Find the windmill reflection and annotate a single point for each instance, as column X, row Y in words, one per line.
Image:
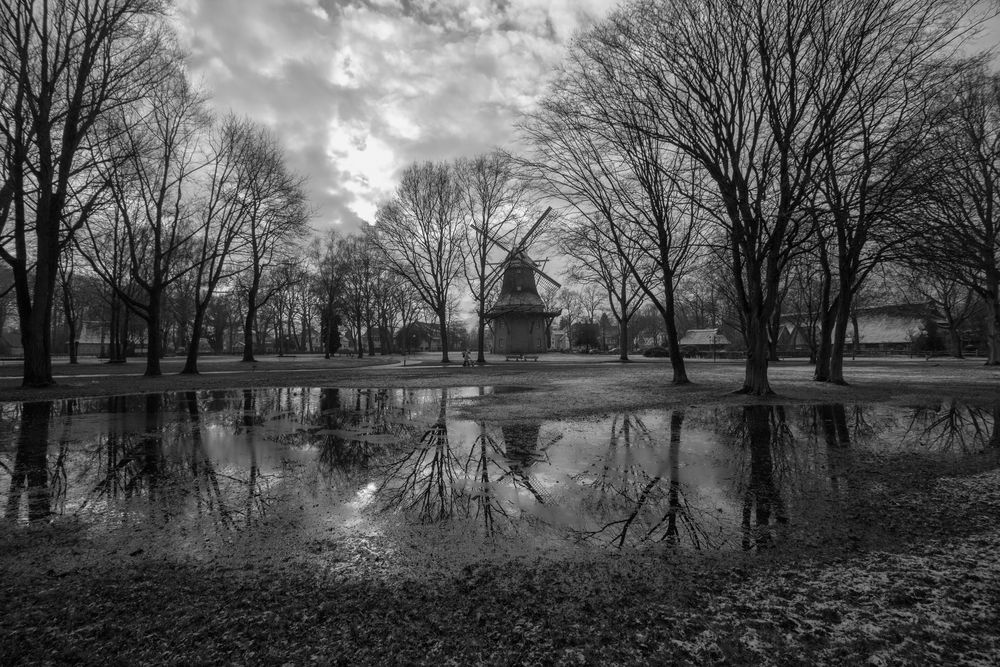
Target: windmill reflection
column 522, row 448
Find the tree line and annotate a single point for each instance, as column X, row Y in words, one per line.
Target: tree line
column 709, row 160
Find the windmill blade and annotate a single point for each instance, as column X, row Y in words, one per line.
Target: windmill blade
column 493, row 239
column 527, row 237
column 493, row 279
column 546, row 276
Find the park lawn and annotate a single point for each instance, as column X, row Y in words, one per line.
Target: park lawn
column 572, row 384
column 914, row 579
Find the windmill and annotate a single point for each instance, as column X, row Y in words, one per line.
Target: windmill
column 519, row 317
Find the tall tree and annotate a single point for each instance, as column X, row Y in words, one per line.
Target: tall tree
column 602, row 264
column 277, row 217
column 223, row 216
column 492, row 197
column 754, row 93
column 594, row 147
column 957, row 183
column 64, row 66
column 881, row 125
column 419, row 232
column 154, row 212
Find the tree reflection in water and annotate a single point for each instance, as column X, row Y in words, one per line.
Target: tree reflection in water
column 30, row 474
column 165, row 469
column 352, row 440
column 422, row 482
column 438, row 480
column 633, row 506
column 955, row 426
column 765, row 433
column 832, row 419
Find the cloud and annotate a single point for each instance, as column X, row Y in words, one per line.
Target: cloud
column 357, row 90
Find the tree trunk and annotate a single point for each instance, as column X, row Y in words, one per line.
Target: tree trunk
column 36, row 338
column 755, row 380
column 154, row 337
column 673, row 346
column 955, row 337
column 191, row 363
column 481, row 338
column 248, row 334
column 358, row 340
column 443, row 323
column 828, row 317
column 992, row 329
column 70, row 324
column 773, row 330
column 116, row 342
column 623, row 340
column 856, row 343
column 840, row 338
column 36, row 320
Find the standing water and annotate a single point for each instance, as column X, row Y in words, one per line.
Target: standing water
column 406, row 470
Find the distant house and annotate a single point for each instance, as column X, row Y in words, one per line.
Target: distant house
column 560, row 339
column 698, row 342
column 889, row 329
column 422, row 337
column 793, row 338
column 896, row 328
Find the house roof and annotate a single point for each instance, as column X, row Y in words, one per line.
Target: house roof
column 703, row 337
column 874, row 329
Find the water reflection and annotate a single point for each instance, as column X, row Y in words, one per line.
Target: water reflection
column 639, row 503
column 953, row 425
column 29, row 475
column 705, row 478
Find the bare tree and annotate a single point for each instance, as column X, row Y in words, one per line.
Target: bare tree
column 327, row 287
column 356, row 258
column 595, row 148
column 154, row 214
column 599, row 263
column 223, row 217
column 276, row 220
column 754, row 93
column 64, row 66
column 419, row 232
column 493, row 197
column 958, row 186
column 879, row 127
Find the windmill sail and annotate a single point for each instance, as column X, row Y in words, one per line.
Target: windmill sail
column 519, row 316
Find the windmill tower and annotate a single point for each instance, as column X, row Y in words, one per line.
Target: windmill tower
column 519, row 317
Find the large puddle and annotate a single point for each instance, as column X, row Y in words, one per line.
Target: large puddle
column 403, row 468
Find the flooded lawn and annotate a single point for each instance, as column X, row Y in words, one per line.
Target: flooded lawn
column 397, row 474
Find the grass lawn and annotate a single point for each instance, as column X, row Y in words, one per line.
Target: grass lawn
column 912, row 579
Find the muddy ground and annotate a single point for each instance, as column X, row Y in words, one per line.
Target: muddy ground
column 920, row 584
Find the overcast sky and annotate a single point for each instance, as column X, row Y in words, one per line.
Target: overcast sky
column 358, row 89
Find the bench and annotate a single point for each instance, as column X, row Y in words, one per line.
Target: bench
column 522, row 357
